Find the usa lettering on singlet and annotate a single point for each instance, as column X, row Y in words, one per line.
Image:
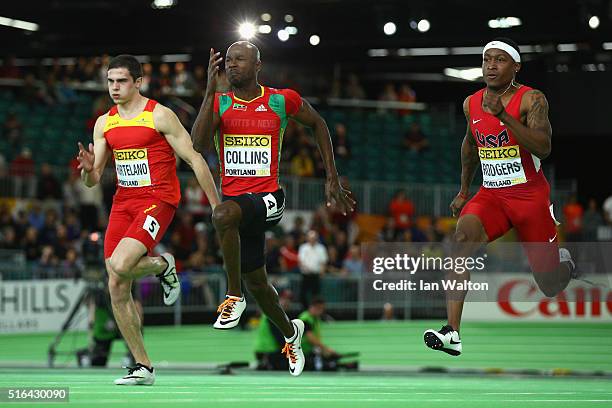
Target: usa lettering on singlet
column 504, row 163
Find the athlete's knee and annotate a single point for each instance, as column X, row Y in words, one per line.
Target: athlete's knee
column 225, row 216
column 460, row 236
column 120, row 265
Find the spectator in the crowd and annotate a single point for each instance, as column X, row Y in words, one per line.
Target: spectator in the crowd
column 148, row 80
column 48, row 186
column 12, row 132
column 90, row 205
column 200, row 78
column 61, row 244
column 388, row 93
column 71, row 266
column 388, row 312
column 183, row 81
column 572, row 214
column 334, row 262
column 73, row 228
column 312, row 259
column 48, row 233
column 9, row 69
column 165, row 80
column 353, row 264
column 415, row 139
column 103, row 69
column 402, row 210
column 302, row 164
column 607, row 210
column 71, row 190
column 273, row 255
column 23, row 174
column 21, row 225
column 342, row 147
column 8, row 238
column 47, row 259
column 31, row 91
column 186, row 231
column 36, row 218
column 289, row 255
column 297, row 230
column 388, row 233
column 591, row 221
column 406, row 94
column 31, row 244
column 65, row 91
column 353, row 89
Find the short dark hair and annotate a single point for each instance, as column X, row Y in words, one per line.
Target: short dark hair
column 128, row 62
column 316, row 301
column 510, row 42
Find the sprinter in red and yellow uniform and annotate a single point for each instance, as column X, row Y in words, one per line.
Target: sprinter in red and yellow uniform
column 142, row 137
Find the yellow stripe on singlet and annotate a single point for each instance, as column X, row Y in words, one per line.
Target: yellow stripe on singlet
column 145, row 119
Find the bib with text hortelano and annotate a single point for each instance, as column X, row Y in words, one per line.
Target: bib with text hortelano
column 501, row 166
column 132, row 167
column 247, row 155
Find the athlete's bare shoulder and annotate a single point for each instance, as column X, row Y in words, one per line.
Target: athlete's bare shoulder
column 162, row 115
column 466, row 107
column 100, row 125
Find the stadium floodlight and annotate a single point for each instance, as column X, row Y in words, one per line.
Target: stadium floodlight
column 594, row 22
column 163, row 4
column 247, row 30
column 288, row 18
column 283, row 35
column 314, row 40
column 20, row 24
column 505, row 22
column 390, row 28
column 469, row 74
column 265, row 29
column 423, row 25
column 291, row 30
column 266, row 17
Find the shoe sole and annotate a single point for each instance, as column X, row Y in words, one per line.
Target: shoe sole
column 433, row 342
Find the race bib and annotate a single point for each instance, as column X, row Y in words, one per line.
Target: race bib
column 501, row 166
column 247, row 155
column 271, row 205
column 132, row 167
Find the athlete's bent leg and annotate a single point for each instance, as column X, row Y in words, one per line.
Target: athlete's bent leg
column 267, row 298
column 469, row 236
column 226, row 219
column 128, row 260
column 126, row 314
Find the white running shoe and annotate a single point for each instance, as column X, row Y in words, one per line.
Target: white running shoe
column 293, row 349
column 229, row 312
column 446, row 339
column 138, row 375
column 565, row 256
column 169, row 280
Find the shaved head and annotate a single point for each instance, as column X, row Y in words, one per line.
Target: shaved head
column 249, row 47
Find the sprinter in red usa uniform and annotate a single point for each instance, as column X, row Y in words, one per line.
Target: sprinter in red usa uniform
column 248, row 125
column 508, row 134
column 142, row 136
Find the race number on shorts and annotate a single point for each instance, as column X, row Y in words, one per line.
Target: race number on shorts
column 271, row 205
column 151, row 225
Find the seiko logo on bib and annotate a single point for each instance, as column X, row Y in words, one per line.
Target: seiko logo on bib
column 132, row 166
column 247, row 155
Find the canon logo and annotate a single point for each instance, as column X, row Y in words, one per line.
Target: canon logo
column 584, row 301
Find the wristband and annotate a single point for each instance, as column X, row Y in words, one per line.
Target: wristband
column 464, row 196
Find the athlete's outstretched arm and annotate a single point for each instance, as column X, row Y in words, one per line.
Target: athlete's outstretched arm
column 168, row 123
column 469, row 163
column 535, row 135
column 207, row 122
column 309, row 117
column 93, row 160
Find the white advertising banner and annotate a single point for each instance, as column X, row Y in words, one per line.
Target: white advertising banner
column 39, row 305
column 517, row 298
